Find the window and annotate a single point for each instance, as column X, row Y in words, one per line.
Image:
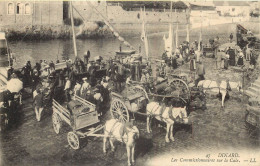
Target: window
column 10, row 8
column 19, row 8
column 27, row 8
column 233, row 9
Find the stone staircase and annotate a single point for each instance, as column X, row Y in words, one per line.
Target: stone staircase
column 254, row 89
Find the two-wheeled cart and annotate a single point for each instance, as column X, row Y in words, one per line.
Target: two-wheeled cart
column 80, row 115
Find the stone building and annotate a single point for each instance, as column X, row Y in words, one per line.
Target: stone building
column 31, row 13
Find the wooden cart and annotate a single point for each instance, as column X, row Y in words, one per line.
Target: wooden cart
column 208, row 51
column 81, row 115
column 133, row 99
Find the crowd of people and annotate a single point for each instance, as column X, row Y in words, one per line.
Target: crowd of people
column 61, row 84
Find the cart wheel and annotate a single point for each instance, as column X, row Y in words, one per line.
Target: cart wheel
column 56, row 122
column 73, row 140
column 119, row 111
column 179, row 86
column 141, row 90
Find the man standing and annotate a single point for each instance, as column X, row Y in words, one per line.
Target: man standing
column 86, row 57
column 38, row 104
column 72, row 76
column 85, row 87
column 219, row 58
column 77, row 88
column 240, row 61
column 248, row 53
column 67, row 89
column 252, row 60
column 231, row 38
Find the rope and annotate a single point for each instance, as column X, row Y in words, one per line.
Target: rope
column 111, row 27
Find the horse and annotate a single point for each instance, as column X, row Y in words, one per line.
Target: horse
column 221, row 88
column 115, row 130
column 169, row 115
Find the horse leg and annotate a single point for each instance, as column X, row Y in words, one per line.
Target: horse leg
column 104, row 144
column 128, row 154
column 112, row 145
column 171, row 134
column 40, row 112
column 133, row 154
column 223, row 99
column 20, row 99
column 167, row 133
column 148, row 124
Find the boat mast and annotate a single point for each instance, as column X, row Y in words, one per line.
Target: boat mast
column 176, row 40
column 144, row 35
column 73, row 31
column 200, row 37
column 187, row 27
column 171, row 28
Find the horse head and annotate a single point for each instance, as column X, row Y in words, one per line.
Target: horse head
column 183, row 115
column 132, row 134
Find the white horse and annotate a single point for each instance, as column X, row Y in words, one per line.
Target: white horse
column 221, row 88
column 169, row 115
column 115, row 130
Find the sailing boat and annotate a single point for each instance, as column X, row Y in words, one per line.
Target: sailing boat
column 168, row 42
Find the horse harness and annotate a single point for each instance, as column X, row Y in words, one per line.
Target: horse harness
column 162, row 109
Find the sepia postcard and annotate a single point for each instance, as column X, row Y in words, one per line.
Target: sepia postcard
column 115, row 83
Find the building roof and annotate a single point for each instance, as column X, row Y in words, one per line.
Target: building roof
column 208, row 4
column 231, row 3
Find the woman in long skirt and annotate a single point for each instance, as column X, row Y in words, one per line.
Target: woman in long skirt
column 240, row 60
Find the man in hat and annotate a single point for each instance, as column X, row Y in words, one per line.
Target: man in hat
column 240, row 60
column 86, row 57
column 85, row 87
column 220, row 54
column 192, row 62
column 248, row 52
column 105, row 92
column 231, row 38
column 72, row 76
column 38, row 104
column 143, row 77
column 67, row 89
column 98, row 101
column 226, row 61
column 252, row 59
column 52, row 66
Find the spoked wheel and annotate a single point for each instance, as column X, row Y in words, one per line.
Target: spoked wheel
column 73, row 140
column 180, row 88
column 139, row 89
column 56, row 122
column 119, row 111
